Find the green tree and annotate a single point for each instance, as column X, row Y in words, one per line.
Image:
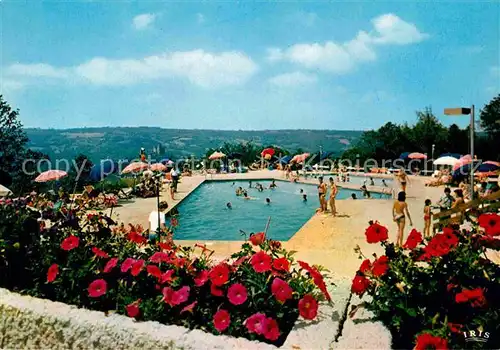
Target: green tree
column 490, row 122
column 13, row 139
column 428, row 131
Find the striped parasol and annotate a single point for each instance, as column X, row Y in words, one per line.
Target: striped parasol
column 135, row 167
column 51, row 175
column 158, row 167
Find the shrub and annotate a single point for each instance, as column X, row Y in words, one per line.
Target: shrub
column 429, row 292
column 89, row 261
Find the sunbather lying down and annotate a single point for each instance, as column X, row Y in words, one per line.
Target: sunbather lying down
column 443, row 180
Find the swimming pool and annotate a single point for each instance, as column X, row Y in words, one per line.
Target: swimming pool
column 205, row 216
column 360, row 180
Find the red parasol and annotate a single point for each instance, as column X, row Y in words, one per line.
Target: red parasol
column 462, row 161
column 267, row 151
column 135, row 167
column 492, row 162
column 158, row 167
column 216, row 155
column 417, row 155
column 51, row 175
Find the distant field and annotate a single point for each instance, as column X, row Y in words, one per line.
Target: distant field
column 124, row 143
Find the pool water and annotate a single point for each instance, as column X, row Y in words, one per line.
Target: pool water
column 204, row 215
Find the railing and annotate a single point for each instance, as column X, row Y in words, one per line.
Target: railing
column 471, row 209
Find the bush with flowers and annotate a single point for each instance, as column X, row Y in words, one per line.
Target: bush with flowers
column 430, row 291
column 89, row 261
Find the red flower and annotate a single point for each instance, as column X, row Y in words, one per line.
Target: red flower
column 490, row 222
column 110, row 265
column 414, row 239
column 174, row 222
column 317, row 277
column 127, row 264
column 281, row 290
column 237, row 294
column 258, row 238
column 426, row 341
column 97, row 288
column 160, row 257
column 240, row 261
column 165, row 245
column 308, row 307
column 215, row 291
column 133, row 308
column 455, row 327
column 52, row 273
column 99, row 253
column 70, row 243
column 189, row 308
column 281, row 264
column 380, row 266
column 440, row 245
column 376, row 233
column 366, row 265
column 137, row 267
column 201, row 278
column 219, row 274
column 136, row 237
column 154, row 271
column 261, row 262
column 256, row 323
column 221, row 320
column 359, row 284
column 271, row 330
column 475, row 296
column 174, row 298
column 166, row 277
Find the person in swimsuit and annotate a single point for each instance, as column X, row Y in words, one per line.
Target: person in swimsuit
column 399, row 212
column 273, row 185
column 459, row 200
column 333, row 194
column 403, row 179
column 427, row 218
column 322, row 194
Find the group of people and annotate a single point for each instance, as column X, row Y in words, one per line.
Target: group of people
column 322, row 193
column 241, row 192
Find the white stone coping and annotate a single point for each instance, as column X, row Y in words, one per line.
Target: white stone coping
column 33, row 323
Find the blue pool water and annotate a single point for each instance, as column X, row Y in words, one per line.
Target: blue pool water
column 204, row 215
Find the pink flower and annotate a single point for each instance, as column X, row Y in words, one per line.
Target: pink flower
column 237, row 294
column 110, row 265
column 221, row 320
column 174, row 298
column 216, row 291
column 308, row 307
column 153, row 270
column 127, row 264
column 189, row 308
column 167, row 277
column 160, row 257
column 261, row 262
column 201, row 278
column 271, row 330
column 137, row 267
column 281, row 290
column 52, row 273
column 256, row 323
column 70, row 243
column 99, row 253
column 133, row 308
column 97, row 288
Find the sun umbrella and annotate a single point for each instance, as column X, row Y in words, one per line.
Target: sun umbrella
column 446, row 160
column 300, row 158
column 454, row 155
column 165, row 161
column 135, row 167
column 267, row 151
column 51, row 175
column 462, row 161
column 417, row 155
column 487, row 167
column 216, row 155
column 492, row 162
column 158, row 167
column 404, row 155
column 4, row 191
column 285, row 159
column 105, row 168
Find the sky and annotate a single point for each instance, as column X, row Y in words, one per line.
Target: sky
column 351, row 65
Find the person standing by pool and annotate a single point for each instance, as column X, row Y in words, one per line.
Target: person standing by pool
column 154, row 217
column 372, row 183
column 322, row 194
column 333, row 194
column 399, row 212
column 403, row 179
column 427, row 218
column 383, row 183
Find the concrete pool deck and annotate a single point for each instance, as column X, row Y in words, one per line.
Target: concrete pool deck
column 324, row 239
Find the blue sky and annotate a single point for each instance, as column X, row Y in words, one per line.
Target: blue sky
column 246, row 65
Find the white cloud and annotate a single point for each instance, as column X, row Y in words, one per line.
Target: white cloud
column 391, row 29
column 293, row 79
column 7, row 86
column 143, row 21
column 343, row 57
column 199, row 67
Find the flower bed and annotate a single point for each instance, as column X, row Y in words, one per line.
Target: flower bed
column 433, row 293
column 86, row 260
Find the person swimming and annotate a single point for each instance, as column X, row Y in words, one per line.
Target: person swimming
column 229, row 205
column 268, row 201
column 249, row 184
column 301, row 190
column 372, row 183
column 273, row 185
column 366, row 193
column 233, row 184
column 353, row 196
column 259, row 187
column 304, row 197
column 239, row 191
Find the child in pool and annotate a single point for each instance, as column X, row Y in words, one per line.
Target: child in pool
column 229, row 205
column 268, row 201
column 304, row 197
column 427, row 218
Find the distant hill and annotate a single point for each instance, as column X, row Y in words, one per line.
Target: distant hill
column 124, row 143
